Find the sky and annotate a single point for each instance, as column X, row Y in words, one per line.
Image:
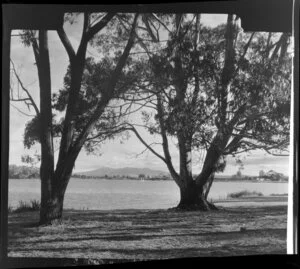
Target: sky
column 117, row 153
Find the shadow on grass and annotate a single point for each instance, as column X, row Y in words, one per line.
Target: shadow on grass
column 220, row 250
column 145, row 235
column 123, row 237
column 60, row 262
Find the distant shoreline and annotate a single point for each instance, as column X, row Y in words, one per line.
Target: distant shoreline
column 136, row 179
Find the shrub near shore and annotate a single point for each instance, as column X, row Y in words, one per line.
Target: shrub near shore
column 244, row 193
column 33, row 205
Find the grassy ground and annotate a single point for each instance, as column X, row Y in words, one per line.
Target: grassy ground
column 151, row 234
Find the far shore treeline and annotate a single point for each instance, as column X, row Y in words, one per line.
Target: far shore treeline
column 23, row 172
column 31, row 172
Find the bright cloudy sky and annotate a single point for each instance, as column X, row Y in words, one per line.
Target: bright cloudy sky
column 113, row 153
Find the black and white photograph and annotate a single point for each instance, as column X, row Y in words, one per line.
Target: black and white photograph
column 146, row 133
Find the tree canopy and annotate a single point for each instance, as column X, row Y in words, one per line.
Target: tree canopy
column 219, row 90
column 216, row 90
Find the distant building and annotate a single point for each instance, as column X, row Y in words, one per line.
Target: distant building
column 261, row 173
column 142, row 177
column 273, row 176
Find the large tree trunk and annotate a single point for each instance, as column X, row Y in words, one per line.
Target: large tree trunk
column 193, row 198
column 51, row 211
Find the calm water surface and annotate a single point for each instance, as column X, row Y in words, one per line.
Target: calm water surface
column 126, row 194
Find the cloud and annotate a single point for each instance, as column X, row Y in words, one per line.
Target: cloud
column 257, row 161
column 259, row 157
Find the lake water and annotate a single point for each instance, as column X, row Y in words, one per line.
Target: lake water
column 105, row 194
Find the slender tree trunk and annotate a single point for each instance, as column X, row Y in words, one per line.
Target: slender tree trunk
column 208, row 184
column 45, row 117
column 53, row 189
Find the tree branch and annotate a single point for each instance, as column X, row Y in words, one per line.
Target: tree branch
column 25, row 90
column 143, row 126
column 22, row 111
column 145, row 18
column 36, row 51
column 179, row 19
column 251, row 146
column 274, row 154
column 145, row 144
column 245, row 50
column 196, row 78
column 115, row 130
column 137, row 155
column 154, row 16
column 279, row 44
column 99, row 25
column 234, row 143
column 110, row 91
column 165, row 141
column 86, row 20
column 20, row 100
column 66, row 42
column 228, row 69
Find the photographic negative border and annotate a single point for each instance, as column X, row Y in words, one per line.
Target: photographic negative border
column 282, row 16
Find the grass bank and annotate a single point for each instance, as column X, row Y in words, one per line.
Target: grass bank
column 151, row 234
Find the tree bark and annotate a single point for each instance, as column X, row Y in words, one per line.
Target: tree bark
column 193, row 198
column 207, row 185
column 205, row 178
column 185, row 157
column 54, row 181
column 51, row 212
column 192, row 195
column 70, row 147
column 46, row 139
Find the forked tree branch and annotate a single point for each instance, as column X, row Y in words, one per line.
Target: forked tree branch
column 110, row 91
column 162, row 23
column 25, row 90
column 67, row 44
column 244, row 54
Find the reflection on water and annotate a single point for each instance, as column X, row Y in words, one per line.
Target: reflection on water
column 125, row 194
